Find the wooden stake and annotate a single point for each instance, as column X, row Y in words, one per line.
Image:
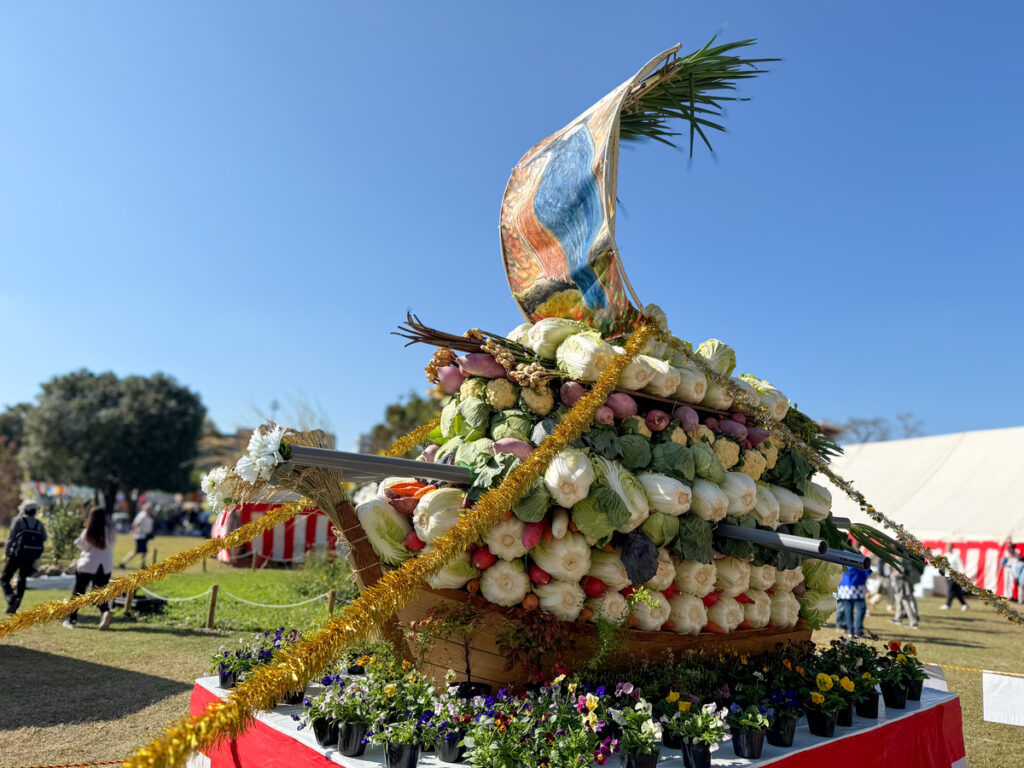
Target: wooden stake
column 330, row 602
column 154, row 558
column 128, row 602
column 213, row 607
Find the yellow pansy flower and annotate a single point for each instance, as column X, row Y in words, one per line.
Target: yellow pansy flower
column 846, row 684
column 867, row 676
column 572, row 687
column 592, row 702
column 672, row 697
column 389, row 689
column 824, row 682
column 817, row 698
column 901, row 659
column 684, row 706
column 558, row 679
column 910, row 648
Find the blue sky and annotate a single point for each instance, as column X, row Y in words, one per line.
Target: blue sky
column 249, row 196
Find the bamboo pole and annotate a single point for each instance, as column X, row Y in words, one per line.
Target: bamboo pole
column 213, row 607
column 331, row 596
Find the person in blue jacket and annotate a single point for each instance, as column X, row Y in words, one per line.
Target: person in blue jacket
column 850, row 600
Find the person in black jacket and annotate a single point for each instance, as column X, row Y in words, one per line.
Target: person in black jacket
column 24, row 546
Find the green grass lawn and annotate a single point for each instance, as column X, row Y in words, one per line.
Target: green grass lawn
column 81, row 695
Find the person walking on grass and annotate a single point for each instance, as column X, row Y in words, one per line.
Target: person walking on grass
column 953, row 590
column 142, row 531
column 96, row 562
column 903, row 588
column 24, row 547
column 852, row 600
column 1017, row 572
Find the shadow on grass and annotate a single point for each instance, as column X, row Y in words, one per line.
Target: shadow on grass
column 45, row 689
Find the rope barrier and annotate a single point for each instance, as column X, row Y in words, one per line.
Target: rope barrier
column 266, row 605
column 176, row 599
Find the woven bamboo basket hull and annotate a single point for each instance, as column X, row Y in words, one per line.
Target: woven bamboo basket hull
column 487, row 663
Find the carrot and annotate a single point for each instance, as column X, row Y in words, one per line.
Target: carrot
column 586, row 614
column 772, row 624
column 473, row 586
column 669, row 625
column 508, row 515
column 712, row 627
column 632, row 621
column 406, row 489
column 572, row 527
column 531, row 602
column 745, row 625
column 608, row 548
column 424, row 491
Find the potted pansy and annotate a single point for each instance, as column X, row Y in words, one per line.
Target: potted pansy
column 699, row 729
column 641, row 734
column 865, row 695
column 786, row 711
column 501, row 732
column 402, row 739
column 232, row 665
column 453, row 716
column 821, row 703
column 352, row 711
column 915, row 671
column 264, row 648
column 894, row 676
column 748, row 725
column 318, row 713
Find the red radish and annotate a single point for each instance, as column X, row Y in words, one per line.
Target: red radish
column 670, row 591
column 712, row 598
column 627, row 592
column 799, row 589
column 712, row 423
column 593, row 586
column 687, row 416
column 532, row 534
column 538, row 575
column 414, row 542
column 657, row 420
column 531, row 602
column 747, row 444
column 744, row 599
column 570, row 392
column 622, row 405
column 604, row 415
column 473, row 586
column 483, row 559
column 450, row 378
column 404, row 506
column 741, row 418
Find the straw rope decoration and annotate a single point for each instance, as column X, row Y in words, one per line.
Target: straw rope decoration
column 56, row 610
column 298, row 664
column 751, row 404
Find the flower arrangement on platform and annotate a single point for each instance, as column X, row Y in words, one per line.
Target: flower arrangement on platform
column 233, row 664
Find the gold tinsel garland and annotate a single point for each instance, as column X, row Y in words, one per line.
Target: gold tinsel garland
column 59, row 609
column 751, row 404
column 403, row 445
column 301, row 662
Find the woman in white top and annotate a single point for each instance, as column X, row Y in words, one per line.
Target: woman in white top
column 96, row 561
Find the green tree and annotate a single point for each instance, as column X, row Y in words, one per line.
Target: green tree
column 10, row 481
column 12, row 422
column 400, row 419
column 113, row 434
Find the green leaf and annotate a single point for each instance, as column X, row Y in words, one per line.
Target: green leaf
column 674, row 460
column 609, row 502
column 604, row 440
column 694, row 540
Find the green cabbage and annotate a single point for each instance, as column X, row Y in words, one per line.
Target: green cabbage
column 634, row 425
column 386, row 529
column 719, row 355
column 584, row 356
column 821, row 576
column 694, row 541
column 451, row 445
column 816, row 607
column 469, row 452
column 636, row 451
column 675, row 460
column 533, row 505
column 545, row 336
column 594, row 521
column 476, row 418
column 512, row 423
column 613, row 476
column 706, row 463
column 660, row 528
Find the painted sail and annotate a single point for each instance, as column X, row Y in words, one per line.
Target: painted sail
column 558, row 221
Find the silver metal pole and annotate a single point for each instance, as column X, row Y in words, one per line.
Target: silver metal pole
column 798, row 545
column 846, row 559
column 361, row 466
column 842, row 522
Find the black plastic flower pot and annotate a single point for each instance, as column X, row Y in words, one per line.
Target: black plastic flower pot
column 629, row 760
column 228, row 678
column 895, row 696
column 448, row 749
column 869, row 707
column 355, row 669
column 401, row 755
column 325, row 731
column 747, row 742
column 821, row 723
column 672, row 740
column 471, row 690
column 782, row 732
column 914, row 688
column 696, row 755
column 844, row 716
column 294, row 698
column 350, row 739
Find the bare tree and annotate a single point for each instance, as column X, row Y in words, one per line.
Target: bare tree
column 867, row 430
column 910, row 425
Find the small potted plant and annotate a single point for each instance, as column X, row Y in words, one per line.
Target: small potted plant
column 786, row 712
column 454, row 714
column 699, row 730
column 748, row 726
column 641, row 734
column 894, row 677
column 317, row 714
column 401, row 739
column 352, row 712
column 231, row 666
column 847, row 689
column 915, row 672
column 822, row 703
column 865, row 696
column 666, row 710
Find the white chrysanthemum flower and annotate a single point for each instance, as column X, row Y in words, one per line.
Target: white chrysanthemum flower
column 247, row 469
column 214, row 485
column 265, row 450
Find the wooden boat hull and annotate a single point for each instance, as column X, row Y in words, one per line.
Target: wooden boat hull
column 486, row 662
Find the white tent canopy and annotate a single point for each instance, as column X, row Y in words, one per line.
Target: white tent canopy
column 959, row 487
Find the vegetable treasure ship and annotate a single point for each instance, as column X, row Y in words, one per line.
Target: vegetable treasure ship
column 677, row 519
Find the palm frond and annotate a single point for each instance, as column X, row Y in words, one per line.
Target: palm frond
column 692, row 88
